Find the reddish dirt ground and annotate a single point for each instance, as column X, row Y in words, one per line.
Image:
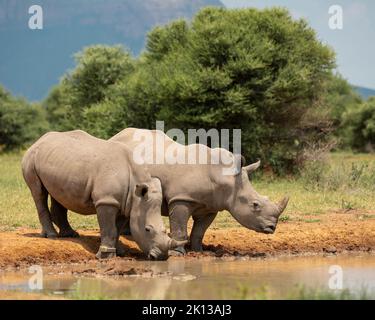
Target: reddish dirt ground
column 335, row 233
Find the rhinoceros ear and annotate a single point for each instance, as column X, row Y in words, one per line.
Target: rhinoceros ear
column 141, row 190
column 252, row 167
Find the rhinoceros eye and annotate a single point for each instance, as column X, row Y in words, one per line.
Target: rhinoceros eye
column 256, row 205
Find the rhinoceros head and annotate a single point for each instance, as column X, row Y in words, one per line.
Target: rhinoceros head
column 146, row 223
column 251, row 209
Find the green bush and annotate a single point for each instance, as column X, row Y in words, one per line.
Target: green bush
column 20, row 122
column 85, row 98
column 56, row 109
column 257, row 70
column 360, row 126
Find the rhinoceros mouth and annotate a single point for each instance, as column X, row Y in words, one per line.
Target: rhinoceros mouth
column 269, row 229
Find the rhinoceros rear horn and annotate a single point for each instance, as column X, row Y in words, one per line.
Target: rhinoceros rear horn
column 177, row 243
column 282, row 204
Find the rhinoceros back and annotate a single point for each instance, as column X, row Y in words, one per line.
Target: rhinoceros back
column 73, row 165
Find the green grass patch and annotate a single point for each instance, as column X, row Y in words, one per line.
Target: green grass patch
column 345, row 181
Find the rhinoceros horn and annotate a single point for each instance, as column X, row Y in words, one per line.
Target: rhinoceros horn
column 282, row 204
column 177, row 243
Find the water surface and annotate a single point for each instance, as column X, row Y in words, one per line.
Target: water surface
column 209, row 279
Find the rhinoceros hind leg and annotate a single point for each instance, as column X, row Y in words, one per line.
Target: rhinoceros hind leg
column 60, row 218
column 107, row 216
column 201, row 224
column 40, row 196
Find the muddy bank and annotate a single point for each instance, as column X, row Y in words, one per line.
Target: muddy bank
column 335, row 233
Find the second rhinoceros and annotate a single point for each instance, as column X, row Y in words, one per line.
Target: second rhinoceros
column 89, row 175
column 201, row 190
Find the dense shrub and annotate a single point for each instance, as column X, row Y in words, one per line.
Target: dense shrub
column 359, row 124
column 84, row 99
column 20, row 122
column 257, row 70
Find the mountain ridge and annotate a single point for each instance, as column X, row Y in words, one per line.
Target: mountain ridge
column 364, row 92
column 36, row 59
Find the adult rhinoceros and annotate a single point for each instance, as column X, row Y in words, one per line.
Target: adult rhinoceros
column 202, row 190
column 89, row 175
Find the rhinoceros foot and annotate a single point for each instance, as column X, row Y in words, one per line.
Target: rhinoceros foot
column 197, row 247
column 49, row 234
column 105, row 252
column 68, row 234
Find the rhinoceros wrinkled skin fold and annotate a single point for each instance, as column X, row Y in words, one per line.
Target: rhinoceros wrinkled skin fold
column 200, row 190
column 88, row 175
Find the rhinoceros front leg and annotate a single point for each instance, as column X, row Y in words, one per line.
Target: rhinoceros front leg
column 200, row 226
column 121, row 223
column 179, row 214
column 109, row 234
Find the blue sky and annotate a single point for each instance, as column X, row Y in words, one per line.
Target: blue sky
column 354, row 44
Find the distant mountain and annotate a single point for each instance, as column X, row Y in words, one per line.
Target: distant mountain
column 364, row 92
column 34, row 60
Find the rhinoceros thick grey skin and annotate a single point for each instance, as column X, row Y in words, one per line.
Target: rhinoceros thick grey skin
column 202, row 190
column 93, row 176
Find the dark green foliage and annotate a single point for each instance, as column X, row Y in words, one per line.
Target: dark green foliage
column 360, row 125
column 259, row 71
column 56, row 109
column 340, row 98
column 255, row 70
column 86, row 98
column 20, row 122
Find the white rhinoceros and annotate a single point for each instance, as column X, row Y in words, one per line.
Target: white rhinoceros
column 93, row 176
column 202, row 190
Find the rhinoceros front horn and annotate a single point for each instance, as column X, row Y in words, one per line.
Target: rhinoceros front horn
column 282, row 204
column 177, row 243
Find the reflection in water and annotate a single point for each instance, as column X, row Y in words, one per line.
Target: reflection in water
column 209, row 279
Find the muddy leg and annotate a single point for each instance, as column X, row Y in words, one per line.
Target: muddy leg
column 60, row 218
column 40, row 196
column 179, row 215
column 201, row 223
column 121, row 223
column 107, row 216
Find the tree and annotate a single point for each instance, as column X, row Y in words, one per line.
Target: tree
column 360, row 125
column 20, row 122
column 56, row 108
column 88, row 97
column 340, row 98
column 257, row 70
